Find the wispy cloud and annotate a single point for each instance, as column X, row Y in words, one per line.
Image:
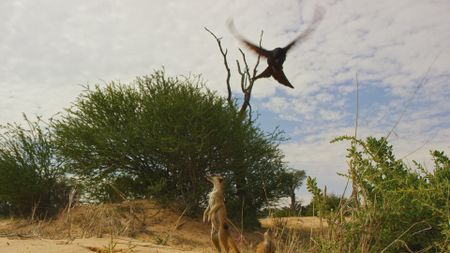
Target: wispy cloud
column 50, row 49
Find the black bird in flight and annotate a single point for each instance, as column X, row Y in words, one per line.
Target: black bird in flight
column 277, row 56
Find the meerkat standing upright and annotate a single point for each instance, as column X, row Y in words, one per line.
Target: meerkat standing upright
column 216, row 213
column 268, row 245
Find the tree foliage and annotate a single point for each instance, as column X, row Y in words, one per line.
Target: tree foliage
column 290, row 181
column 32, row 176
column 160, row 136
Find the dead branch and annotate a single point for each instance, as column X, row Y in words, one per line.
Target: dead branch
column 247, row 80
column 225, row 62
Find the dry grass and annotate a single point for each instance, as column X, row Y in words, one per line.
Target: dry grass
column 294, row 234
column 142, row 220
column 294, row 222
column 150, row 225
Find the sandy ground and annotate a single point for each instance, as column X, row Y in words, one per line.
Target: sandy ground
column 123, row 244
column 78, row 245
column 181, row 234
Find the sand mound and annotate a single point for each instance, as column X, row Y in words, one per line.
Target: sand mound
column 144, row 221
column 131, row 226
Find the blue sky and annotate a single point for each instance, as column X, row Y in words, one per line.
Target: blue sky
column 49, row 49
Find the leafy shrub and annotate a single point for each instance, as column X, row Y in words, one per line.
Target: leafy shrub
column 327, row 204
column 393, row 207
column 32, row 176
column 160, row 136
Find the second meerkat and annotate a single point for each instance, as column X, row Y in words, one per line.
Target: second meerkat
column 268, row 245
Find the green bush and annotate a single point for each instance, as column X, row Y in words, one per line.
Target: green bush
column 329, row 203
column 32, row 176
column 393, row 208
column 159, row 136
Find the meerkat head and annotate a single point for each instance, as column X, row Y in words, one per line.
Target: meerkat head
column 268, row 235
column 216, row 180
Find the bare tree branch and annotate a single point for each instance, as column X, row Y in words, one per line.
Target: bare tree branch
column 242, row 73
column 225, row 62
column 250, row 79
column 255, row 70
column 247, row 79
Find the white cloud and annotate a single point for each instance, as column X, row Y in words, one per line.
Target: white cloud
column 50, row 48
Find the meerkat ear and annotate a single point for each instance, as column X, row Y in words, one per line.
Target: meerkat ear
column 220, row 179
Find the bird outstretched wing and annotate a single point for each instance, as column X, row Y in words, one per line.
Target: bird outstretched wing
column 259, row 50
column 317, row 18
